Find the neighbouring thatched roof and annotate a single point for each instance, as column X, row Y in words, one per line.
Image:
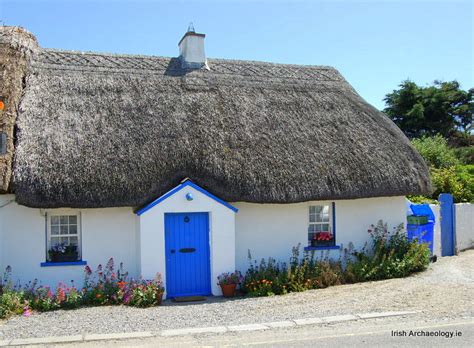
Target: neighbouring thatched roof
column 103, row 130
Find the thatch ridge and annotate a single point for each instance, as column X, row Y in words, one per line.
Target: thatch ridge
column 101, row 130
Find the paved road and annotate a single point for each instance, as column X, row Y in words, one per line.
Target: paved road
column 372, row 333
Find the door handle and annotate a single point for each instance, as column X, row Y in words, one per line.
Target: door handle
column 172, row 251
column 187, row 250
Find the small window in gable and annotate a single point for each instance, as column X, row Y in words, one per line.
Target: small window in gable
column 320, row 229
column 64, row 238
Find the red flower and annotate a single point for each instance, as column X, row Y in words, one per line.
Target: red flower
column 323, row 236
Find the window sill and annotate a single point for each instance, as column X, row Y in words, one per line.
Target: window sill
column 327, row 247
column 56, row 264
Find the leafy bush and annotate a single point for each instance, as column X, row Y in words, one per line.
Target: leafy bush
column 11, row 303
column 422, row 200
column 465, row 154
column 435, row 151
column 458, row 180
column 392, row 255
column 447, row 171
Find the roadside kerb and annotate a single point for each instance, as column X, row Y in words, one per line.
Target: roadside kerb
column 200, row 330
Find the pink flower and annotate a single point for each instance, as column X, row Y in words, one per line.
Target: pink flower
column 26, row 311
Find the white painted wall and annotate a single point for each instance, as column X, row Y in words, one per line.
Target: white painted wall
column 265, row 229
column 273, row 229
column 464, row 217
column 106, row 233
column 222, row 234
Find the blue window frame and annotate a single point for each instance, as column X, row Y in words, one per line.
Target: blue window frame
column 322, row 226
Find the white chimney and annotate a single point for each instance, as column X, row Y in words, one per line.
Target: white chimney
column 191, row 50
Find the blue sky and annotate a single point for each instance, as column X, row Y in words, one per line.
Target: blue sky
column 374, row 44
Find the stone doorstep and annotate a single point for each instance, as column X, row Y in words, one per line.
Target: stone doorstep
column 201, row 330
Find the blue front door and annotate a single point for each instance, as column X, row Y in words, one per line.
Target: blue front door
column 188, row 270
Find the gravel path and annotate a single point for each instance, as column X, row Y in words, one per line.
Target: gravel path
column 445, row 291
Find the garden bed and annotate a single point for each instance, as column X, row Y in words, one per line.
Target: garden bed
column 392, row 255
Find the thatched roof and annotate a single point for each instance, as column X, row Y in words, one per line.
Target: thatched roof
column 104, row 130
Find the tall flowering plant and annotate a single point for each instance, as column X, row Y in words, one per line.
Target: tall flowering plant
column 110, row 286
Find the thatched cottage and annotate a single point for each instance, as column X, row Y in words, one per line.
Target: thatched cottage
column 181, row 165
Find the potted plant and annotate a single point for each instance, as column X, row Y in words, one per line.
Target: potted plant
column 228, row 283
column 63, row 253
column 322, row 239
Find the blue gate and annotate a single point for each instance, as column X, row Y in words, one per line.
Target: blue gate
column 447, row 225
column 188, row 270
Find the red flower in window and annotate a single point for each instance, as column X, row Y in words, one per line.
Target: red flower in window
column 323, row 236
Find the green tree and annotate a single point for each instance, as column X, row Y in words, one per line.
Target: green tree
column 442, row 108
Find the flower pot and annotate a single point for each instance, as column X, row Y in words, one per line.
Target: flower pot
column 159, row 299
column 64, row 257
column 316, row 243
column 228, row 290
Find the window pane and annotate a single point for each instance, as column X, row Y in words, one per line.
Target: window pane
column 63, row 229
column 325, row 218
column 325, row 209
column 319, row 218
column 325, row 227
column 318, row 228
column 54, row 241
column 54, row 229
column 312, row 209
column 54, row 220
column 63, row 220
column 72, row 219
column 73, row 241
column 312, row 217
column 318, row 209
column 72, row 229
column 312, row 228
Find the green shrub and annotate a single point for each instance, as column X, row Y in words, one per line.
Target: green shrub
column 392, row 255
column 457, row 180
column 436, row 151
column 451, row 169
column 465, row 154
column 11, row 303
column 422, row 200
